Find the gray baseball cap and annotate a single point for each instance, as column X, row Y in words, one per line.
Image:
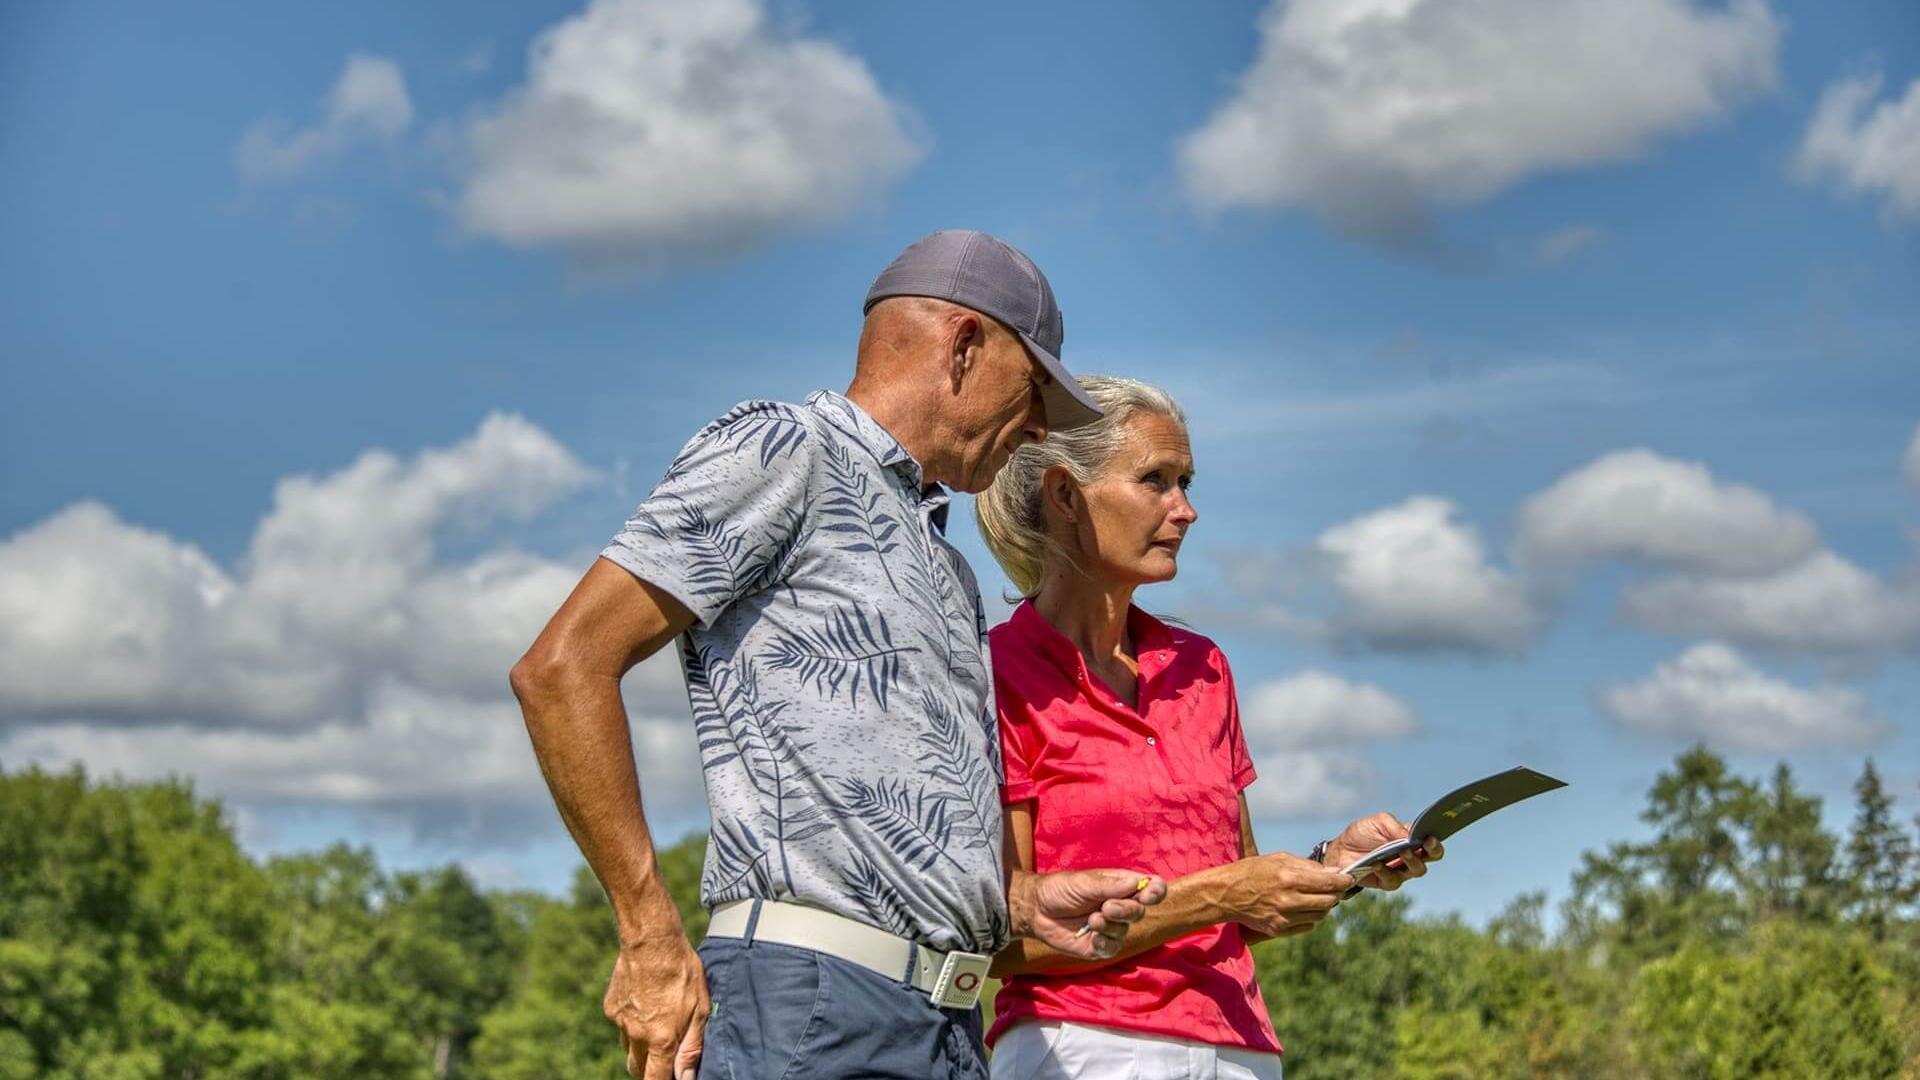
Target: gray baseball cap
column 992, row 277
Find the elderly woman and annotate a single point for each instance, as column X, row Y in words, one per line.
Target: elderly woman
column 1123, row 747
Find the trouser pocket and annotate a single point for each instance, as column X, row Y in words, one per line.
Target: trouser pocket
column 768, row 1002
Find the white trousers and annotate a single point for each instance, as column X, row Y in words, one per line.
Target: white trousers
column 1053, row 1051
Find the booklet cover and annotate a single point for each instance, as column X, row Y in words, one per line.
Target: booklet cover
column 1458, row 809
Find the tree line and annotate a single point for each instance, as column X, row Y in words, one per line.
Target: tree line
column 1742, row 940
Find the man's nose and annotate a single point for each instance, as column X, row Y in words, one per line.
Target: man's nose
column 1035, row 428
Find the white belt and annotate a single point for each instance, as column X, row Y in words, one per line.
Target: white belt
column 952, row 980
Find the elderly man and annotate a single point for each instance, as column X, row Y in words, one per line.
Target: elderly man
column 833, row 644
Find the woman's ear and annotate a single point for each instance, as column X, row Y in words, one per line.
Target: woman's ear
column 1060, row 494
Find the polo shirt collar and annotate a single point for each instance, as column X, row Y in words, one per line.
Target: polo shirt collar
column 1149, row 634
column 856, row 424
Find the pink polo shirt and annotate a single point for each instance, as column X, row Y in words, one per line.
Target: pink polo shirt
column 1154, row 788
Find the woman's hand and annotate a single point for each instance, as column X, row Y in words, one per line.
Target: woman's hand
column 1281, row 895
column 1367, row 833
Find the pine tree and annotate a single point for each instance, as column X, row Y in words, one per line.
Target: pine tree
column 1696, row 809
column 1791, row 870
column 1882, row 875
column 1645, row 898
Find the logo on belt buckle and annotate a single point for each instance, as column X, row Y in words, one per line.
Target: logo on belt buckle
column 961, row 977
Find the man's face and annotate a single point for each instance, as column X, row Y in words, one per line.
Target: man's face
column 1000, row 409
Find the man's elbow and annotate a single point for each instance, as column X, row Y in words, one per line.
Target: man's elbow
column 540, row 674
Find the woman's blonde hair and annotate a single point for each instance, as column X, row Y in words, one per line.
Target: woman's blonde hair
column 1009, row 512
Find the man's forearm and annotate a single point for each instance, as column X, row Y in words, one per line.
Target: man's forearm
column 578, row 724
column 1193, row 902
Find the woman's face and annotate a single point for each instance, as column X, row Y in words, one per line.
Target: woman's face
column 1133, row 518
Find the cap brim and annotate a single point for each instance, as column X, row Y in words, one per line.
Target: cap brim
column 1068, row 406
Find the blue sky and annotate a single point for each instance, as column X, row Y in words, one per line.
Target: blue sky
column 1552, row 375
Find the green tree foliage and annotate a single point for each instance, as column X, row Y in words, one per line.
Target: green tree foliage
column 137, row 941
column 132, row 932
column 1792, row 872
column 1646, row 898
column 551, row 1025
column 1883, row 870
column 1738, row 939
column 1795, row 1000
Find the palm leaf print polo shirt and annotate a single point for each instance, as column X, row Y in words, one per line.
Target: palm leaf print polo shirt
column 837, row 672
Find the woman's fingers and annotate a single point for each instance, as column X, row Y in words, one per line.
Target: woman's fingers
column 1296, row 920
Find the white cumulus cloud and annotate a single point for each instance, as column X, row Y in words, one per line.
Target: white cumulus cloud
column 1636, row 505
column 1316, row 709
column 1410, row 577
column 1302, row 730
column 1823, row 604
column 446, row 766
column 100, row 616
column 103, row 620
column 1370, row 112
column 646, row 131
column 368, row 103
column 1866, row 152
column 343, row 661
column 1309, row 784
column 1711, row 693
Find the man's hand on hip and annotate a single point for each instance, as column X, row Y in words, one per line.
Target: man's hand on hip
column 658, row 999
column 1083, row 913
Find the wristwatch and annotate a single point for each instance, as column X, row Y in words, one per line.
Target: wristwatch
column 1319, row 852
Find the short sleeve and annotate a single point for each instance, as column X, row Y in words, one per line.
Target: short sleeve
column 1238, row 759
column 724, row 521
column 1015, row 764
column 1017, row 744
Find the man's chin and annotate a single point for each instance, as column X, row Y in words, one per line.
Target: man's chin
column 974, row 485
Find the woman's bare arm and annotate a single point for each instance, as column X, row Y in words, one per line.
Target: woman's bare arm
column 1275, row 895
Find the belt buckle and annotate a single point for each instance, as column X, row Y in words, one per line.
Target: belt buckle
column 961, row 976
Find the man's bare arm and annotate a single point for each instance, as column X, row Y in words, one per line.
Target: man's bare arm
column 568, row 684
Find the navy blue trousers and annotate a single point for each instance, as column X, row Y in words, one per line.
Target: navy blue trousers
column 786, row 1013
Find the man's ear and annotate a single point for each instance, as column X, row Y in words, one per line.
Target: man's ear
column 966, row 336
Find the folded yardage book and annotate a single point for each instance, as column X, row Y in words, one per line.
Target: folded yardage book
column 1458, row 809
